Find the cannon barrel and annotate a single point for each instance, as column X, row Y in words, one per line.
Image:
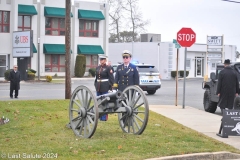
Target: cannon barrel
column 112, row 95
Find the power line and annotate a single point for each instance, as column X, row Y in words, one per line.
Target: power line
column 231, row 1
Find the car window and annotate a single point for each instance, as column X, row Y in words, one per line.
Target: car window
column 147, row 69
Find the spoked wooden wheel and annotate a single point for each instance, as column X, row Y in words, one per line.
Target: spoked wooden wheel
column 135, row 119
column 83, row 112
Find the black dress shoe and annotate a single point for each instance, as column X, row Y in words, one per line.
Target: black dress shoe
column 16, row 97
column 11, row 97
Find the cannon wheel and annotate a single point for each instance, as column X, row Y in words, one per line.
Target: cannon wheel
column 83, row 112
column 135, row 119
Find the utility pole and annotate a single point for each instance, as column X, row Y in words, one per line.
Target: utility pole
column 68, row 50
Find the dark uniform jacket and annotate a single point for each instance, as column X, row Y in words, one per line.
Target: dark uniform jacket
column 227, row 87
column 126, row 76
column 104, row 78
column 14, row 79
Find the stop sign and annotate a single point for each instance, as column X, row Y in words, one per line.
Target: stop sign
column 186, row 37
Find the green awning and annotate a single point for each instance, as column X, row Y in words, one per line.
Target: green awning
column 27, row 10
column 55, row 12
column 34, row 49
column 89, row 49
column 89, row 14
column 54, row 49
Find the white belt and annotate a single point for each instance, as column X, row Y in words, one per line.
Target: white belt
column 102, row 80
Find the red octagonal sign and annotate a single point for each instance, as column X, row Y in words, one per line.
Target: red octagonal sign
column 186, row 37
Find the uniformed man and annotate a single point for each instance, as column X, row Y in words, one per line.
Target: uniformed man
column 126, row 73
column 104, row 80
column 104, row 77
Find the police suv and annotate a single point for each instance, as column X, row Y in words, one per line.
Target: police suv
column 149, row 77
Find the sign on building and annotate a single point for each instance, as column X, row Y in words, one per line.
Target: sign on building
column 214, row 40
column 214, row 47
column 22, row 44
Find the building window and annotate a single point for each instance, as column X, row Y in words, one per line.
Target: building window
column 24, row 23
column 88, row 28
column 4, row 21
column 54, row 63
column 55, row 26
column 91, row 61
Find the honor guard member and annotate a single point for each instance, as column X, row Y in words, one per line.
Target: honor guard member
column 104, row 77
column 126, row 73
column 104, row 80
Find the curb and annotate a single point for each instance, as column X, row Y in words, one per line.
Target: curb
column 201, row 156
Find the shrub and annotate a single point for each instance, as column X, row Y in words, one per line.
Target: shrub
column 92, row 71
column 30, row 76
column 80, row 65
column 32, row 71
column 173, row 74
column 48, row 78
column 6, row 74
column 182, row 73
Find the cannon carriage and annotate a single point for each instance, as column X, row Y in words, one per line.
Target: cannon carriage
column 85, row 108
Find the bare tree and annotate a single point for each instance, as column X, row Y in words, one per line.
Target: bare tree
column 115, row 14
column 135, row 18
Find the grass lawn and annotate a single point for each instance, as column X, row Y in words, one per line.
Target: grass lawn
column 38, row 127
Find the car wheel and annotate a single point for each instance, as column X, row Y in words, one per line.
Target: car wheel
column 151, row 91
column 209, row 106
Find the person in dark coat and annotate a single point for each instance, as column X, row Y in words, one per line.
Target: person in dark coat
column 228, row 86
column 103, row 80
column 14, row 78
column 126, row 73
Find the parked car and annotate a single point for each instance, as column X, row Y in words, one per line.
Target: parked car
column 149, row 77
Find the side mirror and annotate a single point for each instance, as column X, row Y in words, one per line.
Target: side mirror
column 212, row 76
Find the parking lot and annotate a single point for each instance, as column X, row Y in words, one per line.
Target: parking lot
column 164, row 96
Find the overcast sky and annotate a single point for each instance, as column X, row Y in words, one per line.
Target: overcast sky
column 205, row 17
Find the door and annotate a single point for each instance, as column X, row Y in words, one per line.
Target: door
column 199, row 67
column 22, row 67
column 3, row 65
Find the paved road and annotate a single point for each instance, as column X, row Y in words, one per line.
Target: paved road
column 164, row 96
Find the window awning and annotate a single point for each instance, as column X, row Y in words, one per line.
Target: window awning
column 54, row 49
column 89, row 49
column 27, row 10
column 55, row 12
column 34, row 49
column 89, row 14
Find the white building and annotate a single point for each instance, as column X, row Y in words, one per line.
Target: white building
column 89, row 33
column 164, row 56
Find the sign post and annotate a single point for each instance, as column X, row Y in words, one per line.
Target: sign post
column 176, row 46
column 186, row 37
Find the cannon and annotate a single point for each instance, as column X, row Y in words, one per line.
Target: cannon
column 85, row 108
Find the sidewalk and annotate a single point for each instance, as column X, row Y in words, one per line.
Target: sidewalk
column 198, row 120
